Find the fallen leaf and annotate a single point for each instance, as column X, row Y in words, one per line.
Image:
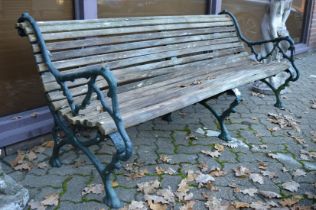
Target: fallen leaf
column 93, row 188
column 36, row 205
column 156, row 206
column 31, row 156
column 310, row 195
column 165, row 158
column 188, row 206
column 242, row 171
column 115, row 184
column 250, row 191
column 155, row 199
column 299, row 140
column 239, row 205
column 269, row 174
column 217, row 172
column 290, row 201
column 159, row 170
column 51, row 200
column 138, row 173
column 219, row 147
column 263, row 165
column 202, row 179
column 148, row 187
column 215, row 153
column 182, row 191
column 203, row 167
column 170, row 171
column 39, row 149
column 270, row 194
column 191, row 137
column 48, row 144
column 19, row 159
column 27, row 166
column 291, row 186
column 214, row 203
column 259, row 205
column 137, row 205
column 256, row 178
column 260, row 95
column 299, row 172
column 167, row 194
column 284, row 121
column 285, row 169
column 42, row 165
column 313, row 136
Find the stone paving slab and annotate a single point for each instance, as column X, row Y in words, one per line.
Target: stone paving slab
column 275, row 151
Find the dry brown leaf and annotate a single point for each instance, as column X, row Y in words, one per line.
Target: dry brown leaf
column 19, row 159
column 188, row 206
column 299, row 172
column 215, row 153
column 290, row 201
column 27, row 166
column 137, row 205
column 291, row 186
column 31, row 155
column 48, row 144
column 155, row 199
column 260, row 95
column 42, row 165
column 219, row 147
column 115, row 184
column 202, row 179
column 259, row 205
column 148, row 187
column 262, row 166
column 217, row 172
column 51, row 200
column 156, row 206
column 203, row 167
column 93, row 188
column 269, row 174
column 284, row 121
column 214, row 203
column 159, row 170
column 239, row 205
column 256, row 178
column 251, row 191
column 137, row 173
column 242, row 171
column 36, row 205
column 270, row 194
column 182, row 191
column 167, row 194
column 299, row 140
column 165, row 158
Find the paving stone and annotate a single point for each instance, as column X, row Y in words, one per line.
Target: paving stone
column 180, row 138
column 225, row 193
column 147, row 154
column 46, row 191
column 92, row 205
column 171, row 181
column 228, row 156
column 186, row 167
column 71, row 169
column 131, row 183
column 74, row 188
column 209, row 161
column 43, row 181
column 182, row 158
column 288, row 161
column 309, row 178
column 192, row 149
column 165, row 146
column 310, row 165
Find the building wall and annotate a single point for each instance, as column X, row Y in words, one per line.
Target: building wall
column 312, row 35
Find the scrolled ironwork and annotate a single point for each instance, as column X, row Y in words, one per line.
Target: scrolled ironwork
column 276, row 46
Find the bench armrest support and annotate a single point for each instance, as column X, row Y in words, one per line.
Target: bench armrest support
column 276, row 46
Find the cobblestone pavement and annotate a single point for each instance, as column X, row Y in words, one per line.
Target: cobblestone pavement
column 167, row 152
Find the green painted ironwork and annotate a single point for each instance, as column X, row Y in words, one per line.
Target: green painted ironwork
column 120, row 139
column 224, row 135
column 276, row 46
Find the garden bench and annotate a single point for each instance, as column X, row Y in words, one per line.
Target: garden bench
column 110, row 74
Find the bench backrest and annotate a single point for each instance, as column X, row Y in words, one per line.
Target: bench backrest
column 134, row 48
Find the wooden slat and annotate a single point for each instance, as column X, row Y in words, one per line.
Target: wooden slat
column 129, row 23
column 172, row 72
column 53, row 85
column 62, row 55
column 187, row 96
column 89, row 21
column 164, row 84
column 122, row 59
column 98, row 41
column 126, row 30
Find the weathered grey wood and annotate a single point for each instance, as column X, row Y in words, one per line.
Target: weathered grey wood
column 187, row 96
column 97, row 50
column 104, row 32
column 99, row 41
column 129, row 23
column 120, row 60
column 167, row 76
column 53, row 85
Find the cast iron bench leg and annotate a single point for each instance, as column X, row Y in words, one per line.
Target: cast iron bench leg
column 105, row 171
column 224, row 135
column 277, row 91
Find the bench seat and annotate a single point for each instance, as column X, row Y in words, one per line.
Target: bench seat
column 114, row 73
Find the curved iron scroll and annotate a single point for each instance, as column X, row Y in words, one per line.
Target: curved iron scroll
column 276, row 45
column 90, row 74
